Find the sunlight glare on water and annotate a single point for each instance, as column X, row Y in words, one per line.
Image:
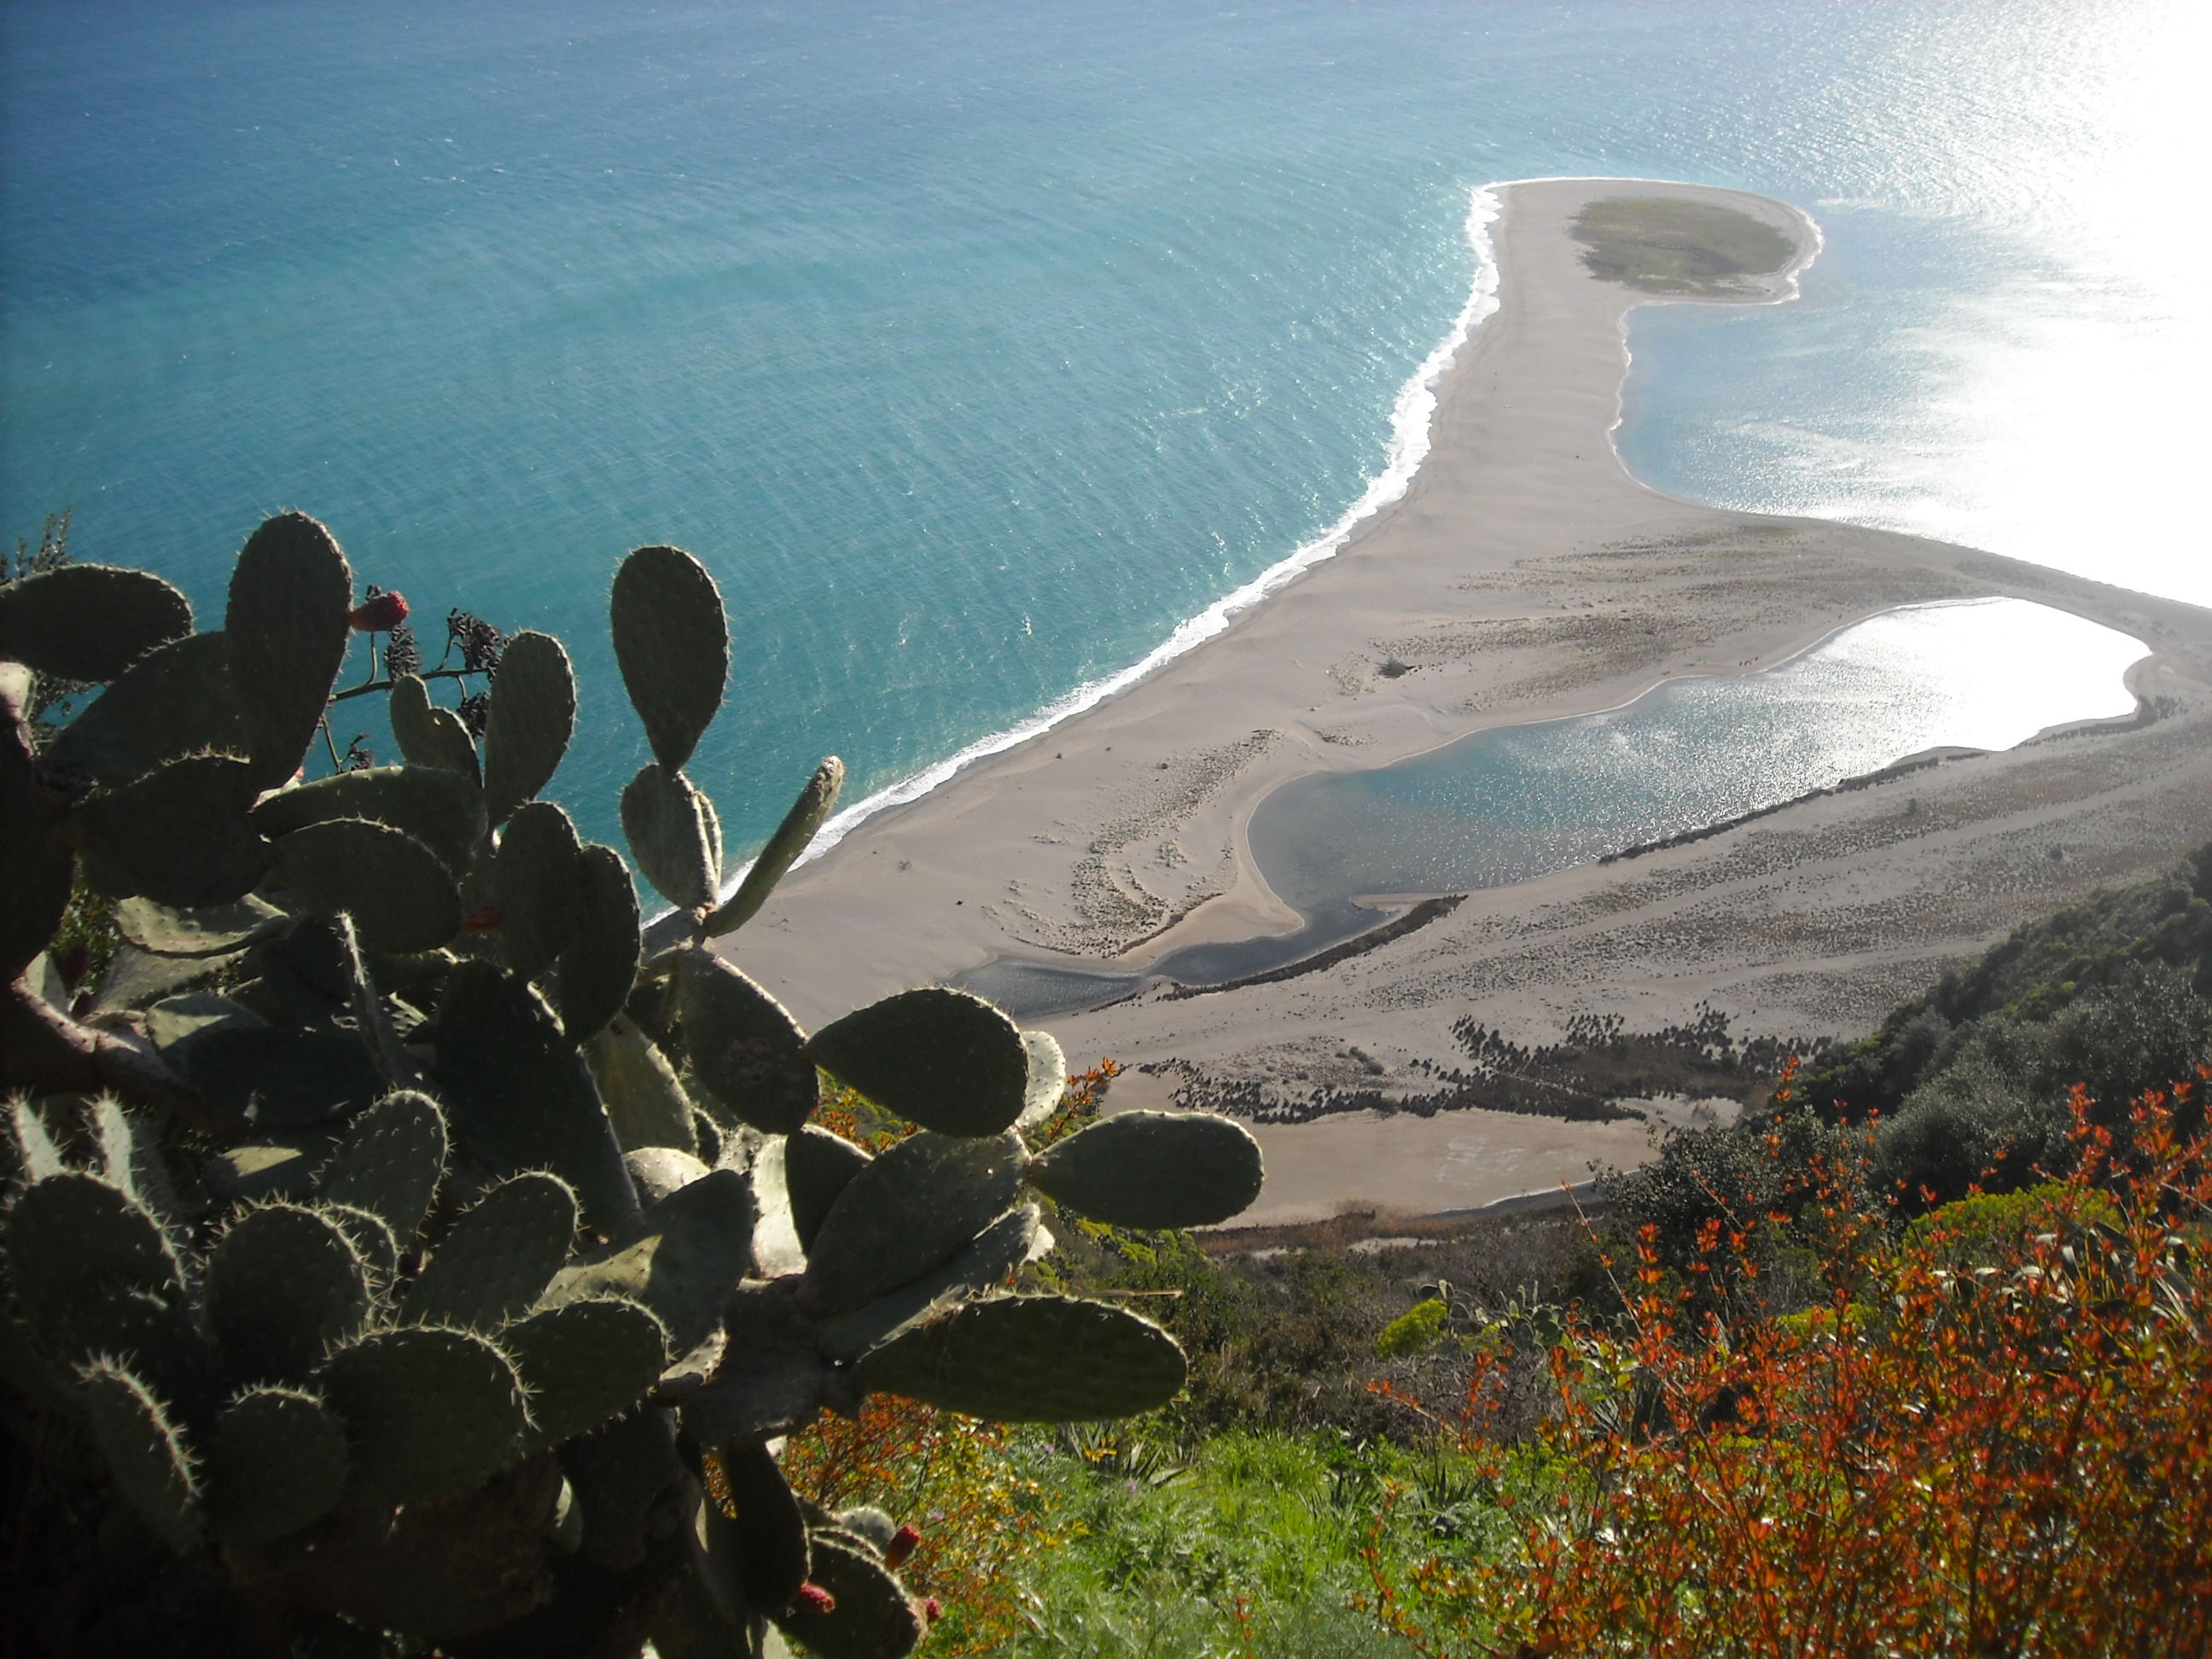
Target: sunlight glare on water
column 1984, row 674
column 2044, row 410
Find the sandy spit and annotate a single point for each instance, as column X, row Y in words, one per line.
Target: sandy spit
column 1524, row 575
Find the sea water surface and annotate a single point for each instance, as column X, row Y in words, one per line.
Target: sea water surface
column 979, row 348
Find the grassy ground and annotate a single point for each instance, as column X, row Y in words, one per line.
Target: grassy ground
column 1253, row 1548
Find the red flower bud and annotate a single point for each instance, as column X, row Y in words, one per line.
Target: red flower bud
column 482, row 920
column 933, row 1610
column 380, row 613
column 817, row 1598
column 901, row 1547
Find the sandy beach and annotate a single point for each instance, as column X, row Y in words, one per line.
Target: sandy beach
column 1524, row 575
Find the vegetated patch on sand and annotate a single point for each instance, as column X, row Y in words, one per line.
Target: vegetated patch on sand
column 1664, row 245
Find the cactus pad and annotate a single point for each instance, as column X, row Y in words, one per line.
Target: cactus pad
column 150, row 1333
column 429, row 735
column 772, row 1378
column 494, row 1262
column 177, row 700
column 644, row 1100
column 866, row 1615
column 533, row 713
column 672, row 640
column 584, row 1362
column 658, row 1171
column 815, row 804
column 289, row 595
column 1031, row 1360
column 442, row 811
column 283, row 1284
column 35, row 1157
column 685, row 1256
column 130, row 1156
column 282, row 1077
column 88, row 621
column 941, row 1058
column 277, row 1462
column 214, row 931
column 671, row 836
column 534, row 881
column 70, row 1233
column 1048, row 1079
column 428, row 1412
column 817, row 1165
column 152, row 1466
column 400, row 893
column 391, row 1161
column 520, row 1097
column 600, row 965
column 626, row 1480
column 1015, row 1237
column 746, row 1050
column 372, row 1015
column 373, row 1238
column 40, row 870
column 773, row 1558
column 175, row 1022
column 909, row 1212
column 1153, row 1170
column 180, row 835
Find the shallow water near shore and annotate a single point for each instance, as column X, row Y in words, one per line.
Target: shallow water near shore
column 1515, row 802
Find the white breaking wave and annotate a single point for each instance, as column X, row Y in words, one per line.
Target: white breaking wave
column 1410, row 419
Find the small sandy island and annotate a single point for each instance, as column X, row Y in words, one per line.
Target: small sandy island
column 1524, row 575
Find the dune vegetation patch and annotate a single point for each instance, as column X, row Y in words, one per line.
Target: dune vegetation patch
column 1666, row 244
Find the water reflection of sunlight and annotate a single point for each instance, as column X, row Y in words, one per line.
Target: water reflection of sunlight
column 1984, row 674
column 2060, row 414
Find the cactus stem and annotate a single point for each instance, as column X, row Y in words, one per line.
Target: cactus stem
column 46, row 1052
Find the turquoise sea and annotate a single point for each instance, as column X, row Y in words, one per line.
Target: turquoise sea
column 978, row 347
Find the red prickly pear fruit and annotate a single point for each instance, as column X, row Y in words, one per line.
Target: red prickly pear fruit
column 901, row 1547
column 482, row 920
column 814, row 1596
column 380, row 613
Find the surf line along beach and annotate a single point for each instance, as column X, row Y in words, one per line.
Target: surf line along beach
column 1523, row 575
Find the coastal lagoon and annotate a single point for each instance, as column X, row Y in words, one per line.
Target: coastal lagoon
column 1512, row 803
column 1519, row 801
column 981, row 350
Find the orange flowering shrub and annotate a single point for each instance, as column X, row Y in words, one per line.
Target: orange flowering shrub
column 952, row 1480
column 1999, row 1443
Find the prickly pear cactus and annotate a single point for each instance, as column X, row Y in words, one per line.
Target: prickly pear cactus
column 416, row 1248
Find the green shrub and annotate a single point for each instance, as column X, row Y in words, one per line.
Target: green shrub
column 1417, row 1329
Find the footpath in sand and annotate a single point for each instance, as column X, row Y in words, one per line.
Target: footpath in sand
column 1523, row 576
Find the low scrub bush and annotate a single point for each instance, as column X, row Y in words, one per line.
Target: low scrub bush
column 1991, row 1437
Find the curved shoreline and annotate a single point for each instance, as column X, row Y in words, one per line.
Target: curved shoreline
column 1413, row 411
column 1524, row 575
column 1408, row 446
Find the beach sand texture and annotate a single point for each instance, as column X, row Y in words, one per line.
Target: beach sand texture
column 1524, row 575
